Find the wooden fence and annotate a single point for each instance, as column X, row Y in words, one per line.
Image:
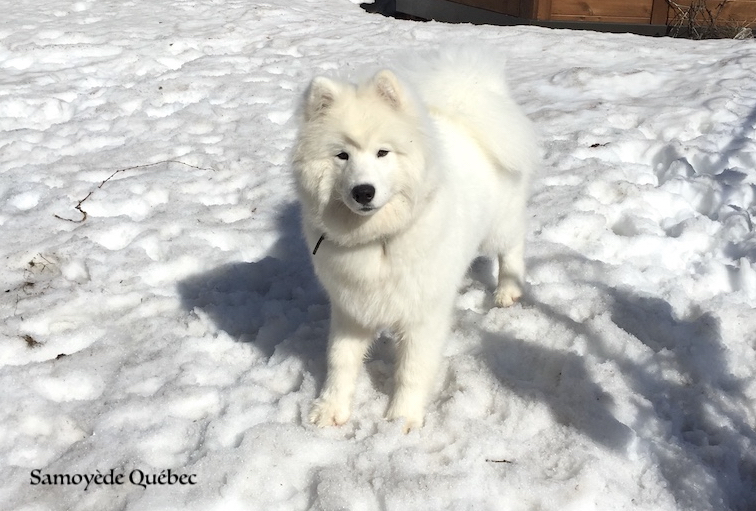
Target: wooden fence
column 632, row 12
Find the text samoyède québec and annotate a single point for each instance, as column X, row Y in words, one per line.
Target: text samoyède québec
column 136, row 477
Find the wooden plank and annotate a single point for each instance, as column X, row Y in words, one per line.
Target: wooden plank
column 509, row 7
column 543, row 10
column 602, row 8
column 659, row 12
column 452, row 12
column 629, row 20
column 528, row 9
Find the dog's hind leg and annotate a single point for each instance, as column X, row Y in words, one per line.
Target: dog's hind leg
column 347, row 345
column 511, row 275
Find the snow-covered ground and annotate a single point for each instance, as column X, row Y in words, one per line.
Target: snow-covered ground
column 159, row 311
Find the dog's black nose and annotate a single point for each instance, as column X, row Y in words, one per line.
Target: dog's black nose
column 363, row 194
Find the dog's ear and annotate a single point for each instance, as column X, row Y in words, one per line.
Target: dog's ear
column 389, row 89
column 320, row 96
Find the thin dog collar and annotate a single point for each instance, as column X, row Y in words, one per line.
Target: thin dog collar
column 317, row 245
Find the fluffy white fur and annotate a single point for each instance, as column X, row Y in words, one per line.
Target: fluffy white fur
column 447, row 155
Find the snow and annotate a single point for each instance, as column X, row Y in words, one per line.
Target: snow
column 159, row 310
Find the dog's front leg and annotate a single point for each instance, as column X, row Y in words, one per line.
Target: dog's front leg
column 511, row 274
column 418, row 356
column 347, row 344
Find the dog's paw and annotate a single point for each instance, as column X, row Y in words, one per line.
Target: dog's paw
column 411, row 425
column 507, row 295
column 412, row 419
column 329, row 413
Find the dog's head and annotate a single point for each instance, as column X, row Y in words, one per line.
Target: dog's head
column 361, row 158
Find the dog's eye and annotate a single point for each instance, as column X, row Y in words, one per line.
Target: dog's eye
column 342, row 156
column 382, row 153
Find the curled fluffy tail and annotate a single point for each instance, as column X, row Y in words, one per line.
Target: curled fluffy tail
column 468, row 85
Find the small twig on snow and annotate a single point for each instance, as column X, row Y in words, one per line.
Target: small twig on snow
column 84, row 213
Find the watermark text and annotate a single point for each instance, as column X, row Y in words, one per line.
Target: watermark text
column 112, row 477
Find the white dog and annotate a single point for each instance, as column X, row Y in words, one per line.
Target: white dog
column 403, row 179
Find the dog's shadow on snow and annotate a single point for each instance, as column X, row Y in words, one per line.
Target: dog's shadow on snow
column 275, row 304
column 681, row 382
column 560, row 380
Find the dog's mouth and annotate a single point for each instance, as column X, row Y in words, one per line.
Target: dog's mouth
column 359, row 209
column 363, row 210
